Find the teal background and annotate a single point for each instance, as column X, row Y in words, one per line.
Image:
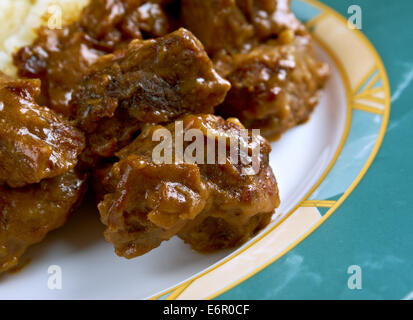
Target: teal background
column 374, row 226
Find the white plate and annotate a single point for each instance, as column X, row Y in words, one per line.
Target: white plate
column 91, row 270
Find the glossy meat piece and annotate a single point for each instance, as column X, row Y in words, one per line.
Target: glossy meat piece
column 270, row 17
column 147, row 201
column 113, row 134
column 35, row 142
column 111, row 21
column 27, row 214
column 218, row 24
column 273, row 70
column 60, row 57
column 236, row 25
column 153, row 81
column 275, row 85
column 239, row 205
column 150, row 204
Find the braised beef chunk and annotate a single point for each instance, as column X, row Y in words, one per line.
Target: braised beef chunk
column 239, row 205
column 270, row 17
column 59, row 57
column 27, row 214
column 150, row 204
column 112, row 134
column 266, row 54
column 275, row 85
column 148, row 201
column 237, row 25
column 114, row 21
column 153, row 81
column 209, row 233
column 218, row 24
column 35, row 142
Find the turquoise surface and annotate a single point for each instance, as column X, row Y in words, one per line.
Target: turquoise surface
column 374, row 226
column 364, row 130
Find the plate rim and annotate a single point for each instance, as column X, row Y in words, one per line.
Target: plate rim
column 175, row 291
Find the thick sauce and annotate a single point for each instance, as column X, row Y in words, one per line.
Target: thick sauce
column 35, row 142
column 210, row 206
column 118, row 74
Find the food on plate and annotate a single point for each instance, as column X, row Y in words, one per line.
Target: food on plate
column 152, row 81
column 35, row 142
column 105, row 92
column 266, row 54
column 27, row 214
column 59, row 57
column 275, row 85
column 237, row 25
column 212, row 205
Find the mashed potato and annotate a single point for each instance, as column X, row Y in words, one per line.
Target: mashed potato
column 20, row 19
